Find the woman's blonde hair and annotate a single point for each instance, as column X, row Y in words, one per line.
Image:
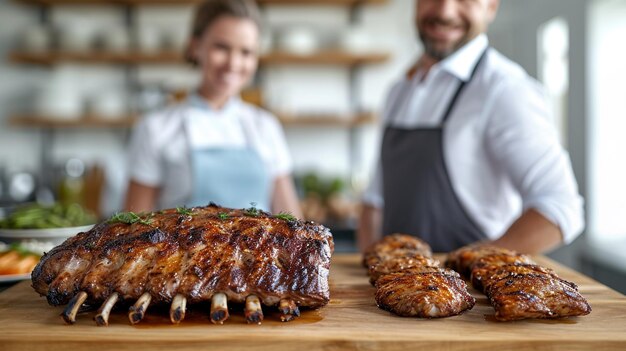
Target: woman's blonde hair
column 209, row 11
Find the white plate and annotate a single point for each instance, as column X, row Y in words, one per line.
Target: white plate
column 40, row 240
column 43, row 233
column 13, row 277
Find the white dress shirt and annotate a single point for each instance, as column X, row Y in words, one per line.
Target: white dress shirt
column 159, row 153
column 500, row 145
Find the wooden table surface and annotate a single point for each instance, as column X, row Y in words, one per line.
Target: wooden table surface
column 350, row 321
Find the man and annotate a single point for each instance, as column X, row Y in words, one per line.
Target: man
column 469, row 153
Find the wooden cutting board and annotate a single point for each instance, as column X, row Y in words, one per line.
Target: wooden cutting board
column 350, row 321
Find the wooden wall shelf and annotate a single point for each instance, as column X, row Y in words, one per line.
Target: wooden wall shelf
column 189, row 2
column 95, row 122
column 88, row 122
column 329, row 57
column 323, row 2
column 327, row 121
column 95, row 57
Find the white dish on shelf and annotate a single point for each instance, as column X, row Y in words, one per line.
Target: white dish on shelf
column 299, row 41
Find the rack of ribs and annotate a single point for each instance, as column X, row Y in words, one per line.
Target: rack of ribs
column 516, row 287
column 409, row 282
column 190, row 255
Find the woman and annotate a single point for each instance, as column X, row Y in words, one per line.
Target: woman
column 214, row 147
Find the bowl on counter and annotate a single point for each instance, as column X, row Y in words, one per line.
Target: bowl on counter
column 40, row 240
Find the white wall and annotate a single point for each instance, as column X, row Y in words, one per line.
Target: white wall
column 17, row 147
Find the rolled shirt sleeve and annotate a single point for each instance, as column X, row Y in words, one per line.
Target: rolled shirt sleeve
column 521, row 138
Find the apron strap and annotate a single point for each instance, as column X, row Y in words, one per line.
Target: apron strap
column 462, row 86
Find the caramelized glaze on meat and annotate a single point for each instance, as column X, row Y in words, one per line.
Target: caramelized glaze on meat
column 425, row 295
column 395, row 245
column 409, row 282
column 487, row 264
column 397, row 264
column 497, row 273
column 464, row 258
column 516, row 287
column 535, row 296
column 195, row 253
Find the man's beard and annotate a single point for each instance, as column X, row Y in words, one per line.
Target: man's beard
column 431, row 49
column 430, row 46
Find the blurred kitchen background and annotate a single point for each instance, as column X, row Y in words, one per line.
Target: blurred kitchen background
column 75, row 75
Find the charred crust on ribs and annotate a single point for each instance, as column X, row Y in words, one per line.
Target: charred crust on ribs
column 243, row 255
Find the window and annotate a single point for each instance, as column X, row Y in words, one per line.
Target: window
column 607, row 121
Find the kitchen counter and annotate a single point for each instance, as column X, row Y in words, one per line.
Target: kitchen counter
column 350, row 321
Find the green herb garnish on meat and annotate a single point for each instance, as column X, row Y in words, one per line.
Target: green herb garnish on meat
column 286, row 216
column 130, row 218
column 252, row 211
column 184, row 211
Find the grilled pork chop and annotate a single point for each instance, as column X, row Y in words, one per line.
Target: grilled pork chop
column 425, row 295
column 409, row 282
column 535, row 295
column 516, row 287
column 493, row 274
column 484, row 266
column 395, row 245
column 397, row 264
column 462, row 260
column 191, row 255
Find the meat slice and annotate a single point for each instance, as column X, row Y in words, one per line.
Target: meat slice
column 535, row 296
column 425, row 295
column 401, row 263
column 463, row 259
column 496, row 273
column 516, row 287
column 395, row 245
column 191, row 255
column 410, row 283
column 489, row 263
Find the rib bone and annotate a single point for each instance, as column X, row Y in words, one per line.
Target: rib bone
column 102, row 318
column 137, row 311
column 219, row 308
column 69, row 314
column 177, row 311
column 288, row 310
column 253, row 311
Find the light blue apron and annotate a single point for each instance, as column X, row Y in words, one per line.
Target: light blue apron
column 233, row 177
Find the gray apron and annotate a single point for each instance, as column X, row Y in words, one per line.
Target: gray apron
column 418, row 194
